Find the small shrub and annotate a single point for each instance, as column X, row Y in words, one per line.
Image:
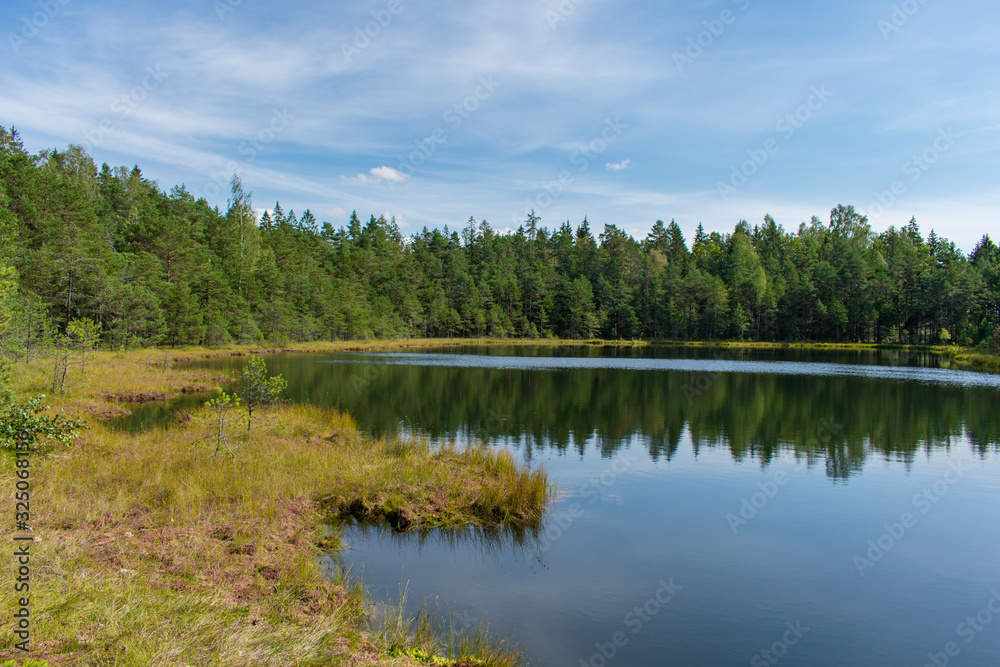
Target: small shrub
column 29, row 417
column 256, row 388
column 219, row 420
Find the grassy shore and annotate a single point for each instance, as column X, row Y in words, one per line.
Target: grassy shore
column 150, row 551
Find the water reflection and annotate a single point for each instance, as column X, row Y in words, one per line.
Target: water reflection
column 487, row 543
column 160, row 413
column 841, row 413
column 653, row 462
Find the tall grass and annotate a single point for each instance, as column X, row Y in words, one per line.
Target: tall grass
column 152, row 552
column 404, row 483
column 421, row 636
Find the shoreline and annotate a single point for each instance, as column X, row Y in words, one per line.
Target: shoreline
column 150, row 551
column 136, row 529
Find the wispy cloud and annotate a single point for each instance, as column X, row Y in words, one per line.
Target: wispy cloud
column 559, row 85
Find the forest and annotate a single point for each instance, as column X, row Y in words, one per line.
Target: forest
column 145, row 267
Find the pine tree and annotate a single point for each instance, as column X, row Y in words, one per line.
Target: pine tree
column 245, row 235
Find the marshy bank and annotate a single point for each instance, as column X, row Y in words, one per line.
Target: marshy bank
column 149, row 550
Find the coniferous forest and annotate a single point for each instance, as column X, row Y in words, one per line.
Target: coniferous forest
column 152, row 267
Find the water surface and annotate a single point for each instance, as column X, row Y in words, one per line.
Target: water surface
column 827, row 509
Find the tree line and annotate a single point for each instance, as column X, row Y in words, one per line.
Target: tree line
column 151, row 267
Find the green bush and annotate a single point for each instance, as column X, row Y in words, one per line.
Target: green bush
column 30, row 417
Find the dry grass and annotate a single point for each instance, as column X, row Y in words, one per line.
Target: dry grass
column 152, row 552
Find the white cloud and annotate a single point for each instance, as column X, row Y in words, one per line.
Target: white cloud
column 618, row 166
column 389, row 174
column 378, row 175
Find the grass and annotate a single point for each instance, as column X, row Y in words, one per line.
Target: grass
column 150, row 551
column 402, row 483
column 975, row 359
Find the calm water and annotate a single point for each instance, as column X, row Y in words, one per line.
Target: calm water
column 749, row 509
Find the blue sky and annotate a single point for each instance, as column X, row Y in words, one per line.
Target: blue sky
column 706, row 111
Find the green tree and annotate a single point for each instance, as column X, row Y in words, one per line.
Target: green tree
column 132, row 315
column 83, row 335
column 219, row 420
column 242, row 223
column 256, row 389
column 749, row 283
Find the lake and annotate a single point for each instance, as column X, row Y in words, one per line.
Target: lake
column 714, row 507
